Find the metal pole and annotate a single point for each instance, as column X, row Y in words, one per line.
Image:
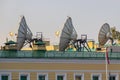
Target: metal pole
column 106, row 55
column 106, row 71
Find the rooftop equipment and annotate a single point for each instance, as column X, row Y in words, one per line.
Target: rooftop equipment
column 24, row 34
column 25, row 37
column 69, row 36
column 104, row 35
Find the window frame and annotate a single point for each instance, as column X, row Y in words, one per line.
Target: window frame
column 43, row 74
column 79, row 74
column 26, row 74
column 61, row 74
column 6, row 73
column 115, row 74
column 96, row 74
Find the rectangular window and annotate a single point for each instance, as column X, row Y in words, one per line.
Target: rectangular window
column 24, row 76
column 5, row 76
column 96, row 76
column 42, row 76
column 112, row 78
column 61, row 76
column 78, row 77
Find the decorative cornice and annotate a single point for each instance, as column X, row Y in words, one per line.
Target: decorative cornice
column 81, row 61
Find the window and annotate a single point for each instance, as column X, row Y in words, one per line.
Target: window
column 61, row 76
column 5, row 76
column 42, row 76
column 24, row 76
column 78, row 76
column 113, row 76
column 96, row 76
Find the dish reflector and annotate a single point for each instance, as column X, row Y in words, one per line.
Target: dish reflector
column 68, row 33
column 24, row 33
column 104, row 34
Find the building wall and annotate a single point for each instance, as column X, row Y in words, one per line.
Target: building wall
column 52, row 67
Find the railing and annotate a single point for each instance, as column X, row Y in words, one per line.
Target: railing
column 57, row 54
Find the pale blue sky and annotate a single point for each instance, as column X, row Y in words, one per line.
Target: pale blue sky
column 48, row 16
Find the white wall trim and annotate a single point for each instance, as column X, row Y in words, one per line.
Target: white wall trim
column 25, row 73
column 28, row 60
column 63, row 71
column 6, row 73
column 79, row 74
column 42, row 73
column 81, row 61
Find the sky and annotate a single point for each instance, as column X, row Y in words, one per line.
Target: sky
column 49, row 16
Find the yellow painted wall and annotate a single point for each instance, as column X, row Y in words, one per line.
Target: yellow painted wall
column 90, row 43
column 49, row 48
column 33, row 76
column 70, row 76
column 56, row 66
column 15, row 75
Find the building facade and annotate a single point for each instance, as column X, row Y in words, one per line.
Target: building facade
column 60, row 66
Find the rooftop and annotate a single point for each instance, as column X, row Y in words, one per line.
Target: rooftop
column 58, row 55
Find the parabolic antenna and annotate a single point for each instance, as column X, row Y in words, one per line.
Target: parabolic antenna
column 104, row 34
column 24, row 34
column 68, row 34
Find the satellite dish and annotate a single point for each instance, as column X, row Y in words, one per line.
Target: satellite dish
column 104, row 34
column 68, row 33
column 24, row 34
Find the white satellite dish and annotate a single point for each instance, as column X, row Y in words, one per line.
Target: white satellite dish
column 68, row 33
column 104, row 34
column 24, row 34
